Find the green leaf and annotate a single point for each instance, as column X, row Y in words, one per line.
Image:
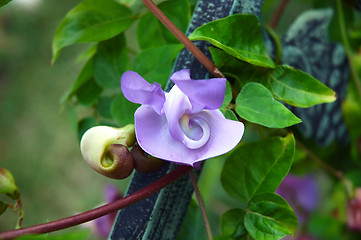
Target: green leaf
column 193, row 226
column 291, row 86
column 256, row 104
column 326, row 227
column 257, row 167
column 179, row 12
column 151, row 32
column 73, row 235
column 229, row 114
column 84, row 125
column 89, row 92
column 298, row 88
column 85, row 75
column 232, row 223
column 111, row 61
column 227, row 96
column 3, row 207
column 238, row 35
column 87, row 53
column 123, row 110
column 270, row 217
column 3, row 2
column 155, row 64
column 104, row 107
column 91, row 21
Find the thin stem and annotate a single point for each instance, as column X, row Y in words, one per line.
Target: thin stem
column 276, row 17
column 100, row 211
column 319, row 161
column 347, row 47
column 201, row 206
column 198, row 54
column 348, row 185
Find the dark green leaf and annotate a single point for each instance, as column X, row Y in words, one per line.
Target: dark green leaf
column 110, row 62
column 155, row 64
column 3, row 207
column 152, row 33
column 3, row 2
column 85, row 75
column 193, row 226
column 104, row 107
column 238, row 35
column 326, row 227
column 84, row 125
column 149, row 33
column 232, row 223
column 123, row 110
column 229, row 114
column 89, row 92
column 227, row 96
column 292, row 86
column 223, row 237
column 91, row 21
column 270, row 217
column 257, row 167
column 87, row 53
column 256, row 104
column 179, row 12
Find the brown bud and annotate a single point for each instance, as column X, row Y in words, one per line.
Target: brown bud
column 116, row 163
column 105, row 149
column 144, row 163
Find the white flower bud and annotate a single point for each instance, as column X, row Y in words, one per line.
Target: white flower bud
column 105, row 150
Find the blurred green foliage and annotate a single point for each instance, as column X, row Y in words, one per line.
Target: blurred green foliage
column 36, row 141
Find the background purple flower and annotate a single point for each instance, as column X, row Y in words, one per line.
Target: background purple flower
column 301, row 193
column 185, row 125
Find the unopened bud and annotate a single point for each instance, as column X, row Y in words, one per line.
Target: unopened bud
column 105, row 149
column 354, row 211
column 144, row 163
column 7, row 184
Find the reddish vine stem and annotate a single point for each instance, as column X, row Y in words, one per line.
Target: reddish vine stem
column 276, row 17
column 201, row 206
column 100, row 211
column 198, row 54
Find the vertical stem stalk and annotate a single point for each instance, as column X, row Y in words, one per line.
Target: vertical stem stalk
column 347, row 47
column 201, row 206
column 348, row 186
column 198, row 54
column 276, row 17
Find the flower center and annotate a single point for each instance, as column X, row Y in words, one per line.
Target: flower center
column 196, row 131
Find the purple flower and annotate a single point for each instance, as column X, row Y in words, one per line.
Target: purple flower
column 185, row 125
column 301, row 193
